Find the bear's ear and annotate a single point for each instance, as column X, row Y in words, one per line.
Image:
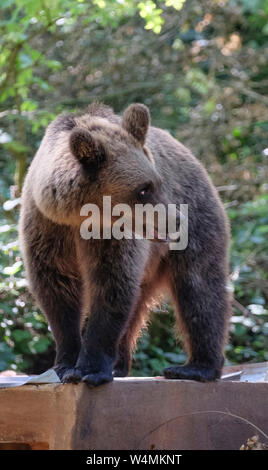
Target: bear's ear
column 136, row 120
column 88, row 150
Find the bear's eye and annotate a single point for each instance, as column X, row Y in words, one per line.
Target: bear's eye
column 144, row 191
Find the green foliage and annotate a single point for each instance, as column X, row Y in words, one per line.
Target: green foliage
column 158, row 347
column 201, row 67
column 152, row 15
column 249, row 327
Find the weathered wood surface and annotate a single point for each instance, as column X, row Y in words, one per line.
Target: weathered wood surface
column 149, row 413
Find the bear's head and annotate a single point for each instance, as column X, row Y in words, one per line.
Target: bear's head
column 114, row 157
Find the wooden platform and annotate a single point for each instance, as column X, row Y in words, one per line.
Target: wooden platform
column 132, row 413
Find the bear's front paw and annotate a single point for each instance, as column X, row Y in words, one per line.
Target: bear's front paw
column 62, row 369
column 73, row 376
column 192, row 372
column 97, row 378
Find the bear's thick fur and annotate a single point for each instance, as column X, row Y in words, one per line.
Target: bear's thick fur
column 95, row 293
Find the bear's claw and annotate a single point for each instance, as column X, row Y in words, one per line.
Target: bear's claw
column 73, row 376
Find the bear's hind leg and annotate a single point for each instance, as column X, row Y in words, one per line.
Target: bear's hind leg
column 202, row 303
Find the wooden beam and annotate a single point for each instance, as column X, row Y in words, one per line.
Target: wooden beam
column 133, row 414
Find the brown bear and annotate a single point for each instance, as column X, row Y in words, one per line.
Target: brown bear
column 95, row 293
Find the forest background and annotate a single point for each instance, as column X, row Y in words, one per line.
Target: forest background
column 201, row 67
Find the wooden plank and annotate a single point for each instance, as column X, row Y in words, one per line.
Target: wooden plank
column 134, row 413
